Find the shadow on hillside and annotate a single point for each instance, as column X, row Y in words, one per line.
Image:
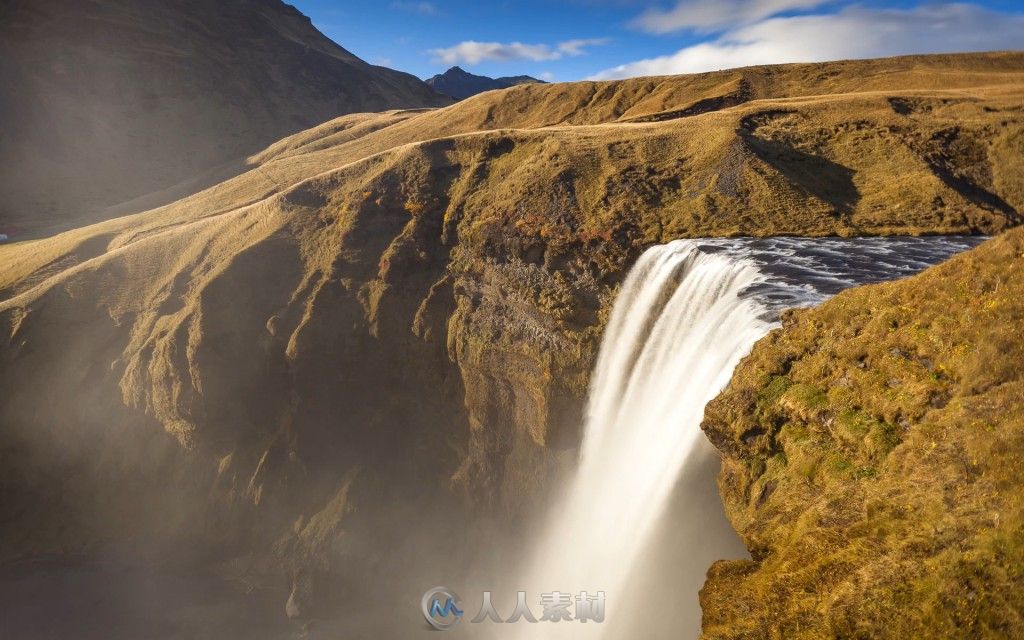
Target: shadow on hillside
column 950, row 159
column 825, row 180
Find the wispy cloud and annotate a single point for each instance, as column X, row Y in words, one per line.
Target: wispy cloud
column 473, row 52
column 711, row 15
column 577, row 47
column 855, row 32
column 422, row 8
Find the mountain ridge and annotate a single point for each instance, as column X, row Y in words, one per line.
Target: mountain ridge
column 118, row 101
column 459, row 83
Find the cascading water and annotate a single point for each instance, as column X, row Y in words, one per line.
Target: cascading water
column 685, row 316
column 677, row 330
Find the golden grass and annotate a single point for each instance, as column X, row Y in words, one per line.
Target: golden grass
column 874, row 462
column 910, row 159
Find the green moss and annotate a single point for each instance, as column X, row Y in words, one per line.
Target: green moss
column 773, row 390
column 808, row 395
column 794, row 433
column 837, row 464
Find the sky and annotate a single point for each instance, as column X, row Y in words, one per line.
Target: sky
column 565, row 40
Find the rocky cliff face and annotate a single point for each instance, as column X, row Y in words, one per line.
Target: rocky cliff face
column 873, row 462
column 397, row 312
column 106, row 102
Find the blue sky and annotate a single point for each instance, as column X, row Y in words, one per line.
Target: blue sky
column 565, row 40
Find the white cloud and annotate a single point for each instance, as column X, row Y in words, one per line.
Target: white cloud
column 546, row 76
column 855, row 32
column 710, row 15
column 422, row 8
column 576, row 47
column 472, row 52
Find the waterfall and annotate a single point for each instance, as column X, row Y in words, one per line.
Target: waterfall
column 685, row 316
column 677, row 330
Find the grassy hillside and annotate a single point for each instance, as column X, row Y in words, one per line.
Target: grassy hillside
column 397, row 308
column 873, row 462
column 763, row 150
column 116, row 106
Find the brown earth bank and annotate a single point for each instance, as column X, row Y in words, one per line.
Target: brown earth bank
column 114, row 106
column 394, row 313
column 873, row 462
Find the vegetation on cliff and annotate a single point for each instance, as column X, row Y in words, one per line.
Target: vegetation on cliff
column 873, row 462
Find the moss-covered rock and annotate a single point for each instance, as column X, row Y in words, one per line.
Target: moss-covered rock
column 874, row 462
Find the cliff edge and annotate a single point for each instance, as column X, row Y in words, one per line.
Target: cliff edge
column 873, row 462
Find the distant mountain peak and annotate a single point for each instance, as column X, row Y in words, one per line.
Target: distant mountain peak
column 459, row 83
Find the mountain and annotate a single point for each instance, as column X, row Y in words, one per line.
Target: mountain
column 107, row 102
column 393, row 317
column 461, row 84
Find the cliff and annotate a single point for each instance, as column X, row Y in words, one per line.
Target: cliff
column 873, row 462
column 394, row 312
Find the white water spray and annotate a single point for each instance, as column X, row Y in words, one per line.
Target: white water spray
column 677, row 331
